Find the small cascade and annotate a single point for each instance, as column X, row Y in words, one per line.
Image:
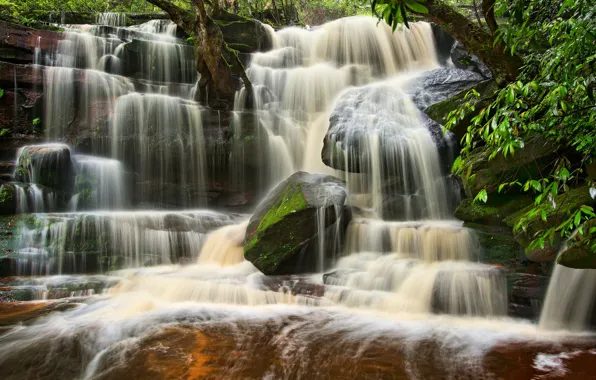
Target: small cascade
column 100, row 181
column 569, row 301
column 111, row 19
column 31, row 198
column 97, row 241
column 225, row 246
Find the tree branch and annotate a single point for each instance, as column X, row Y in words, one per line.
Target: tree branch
column 179, row 16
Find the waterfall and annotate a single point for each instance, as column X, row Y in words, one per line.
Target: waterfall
column 104, row 179
column 111, row 19
column 97, row 241
column 569, row 299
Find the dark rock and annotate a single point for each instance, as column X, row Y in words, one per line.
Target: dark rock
column 441, row 84
column 440, row 110
column 565, row 205
column 282, row 235
column 497, row 208
column 47, row 165
column 462, row 59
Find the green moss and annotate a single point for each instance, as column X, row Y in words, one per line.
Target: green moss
column 578, row 257
column 498, row 207
column 293, row 200
column 7, row 194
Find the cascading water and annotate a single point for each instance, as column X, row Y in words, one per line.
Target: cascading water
column 409, row 273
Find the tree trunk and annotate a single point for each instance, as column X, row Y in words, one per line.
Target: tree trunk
column 217, row 64
column 476, row 39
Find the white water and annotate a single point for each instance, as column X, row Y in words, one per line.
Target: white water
column 569, row 300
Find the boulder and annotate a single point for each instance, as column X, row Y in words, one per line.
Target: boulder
column 497, row 208
column 580, row 252
column 564, row 205
column 48, row 165
column 462, row 59
column 482, row 173
column 395, row 109
column 439, row 111
column 282, row 235
column 578, row 257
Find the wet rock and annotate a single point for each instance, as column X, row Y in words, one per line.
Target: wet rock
column 14, row 313
column 353, row 135
column 47, row 165
column 565, row 205
column 282, row 235
column 8, row 199
column 497, row 208
column 18, row 42
column 441, row 84
column 579, row 251
column 439, row 111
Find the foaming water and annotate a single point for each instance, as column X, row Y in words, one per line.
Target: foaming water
column 98, row 241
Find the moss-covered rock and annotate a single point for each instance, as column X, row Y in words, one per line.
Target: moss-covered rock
column 282, row 234
column 494, row 211
column 47, row 165
column 497, row 243
column 579, row 252
column 566, row 204
column 439, row 111
column 578, row 257
column 481, row 173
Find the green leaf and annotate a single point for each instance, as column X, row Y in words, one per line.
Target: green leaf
column 416, row 7
column 481, row 196
column 402, row 9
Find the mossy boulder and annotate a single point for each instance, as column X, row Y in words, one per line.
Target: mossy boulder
column 578, row 257
column 493, row 212
column 481, row 173
column 439, row 111
column 580, row 252
column 497, row 243
column 565, row 205
column 48, row 165
column 282, row 235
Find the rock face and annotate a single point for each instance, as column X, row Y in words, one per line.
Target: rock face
column 283, row 233
column 47, row 165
